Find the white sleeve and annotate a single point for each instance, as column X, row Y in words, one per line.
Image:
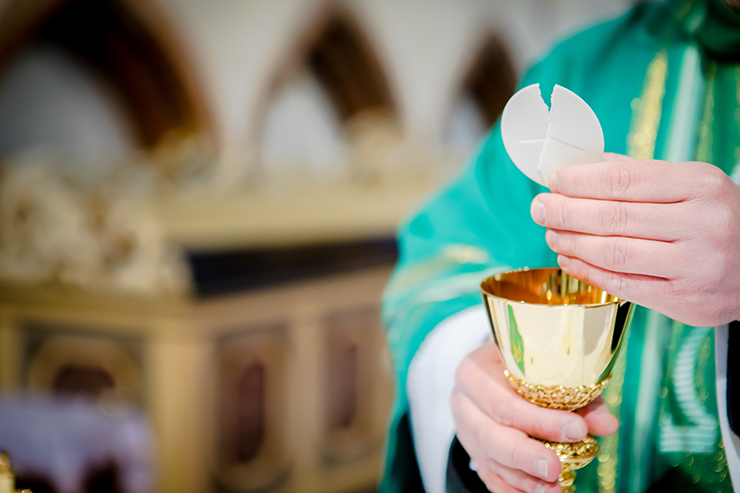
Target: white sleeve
column 732, row 441
column 429, row 385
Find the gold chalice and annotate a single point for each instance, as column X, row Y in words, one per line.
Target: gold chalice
column 559, row 338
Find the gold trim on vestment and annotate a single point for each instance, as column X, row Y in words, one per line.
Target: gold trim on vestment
column 734, row 172
column 647, row 109
column 646, row 116
column 609, row 456
column 706, row 141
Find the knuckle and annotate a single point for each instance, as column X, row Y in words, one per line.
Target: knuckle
column 713, row 180
column 616, row 283
column 616, row 255
column 580, row 270
column 516, row 455
column 726, row 223
column 619, row 179
column 563, row 215
column 614, row 217
column 566, row 243
column 545, row 430
column 720, row 228
column 529, row 420
column 538, row 430
column 712, row 184
column 713, row 274
column 500, row 411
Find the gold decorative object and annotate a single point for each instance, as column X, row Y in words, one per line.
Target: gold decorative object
column 559, row 338
column 7, row 477
column 573, row 456
column 558, row 397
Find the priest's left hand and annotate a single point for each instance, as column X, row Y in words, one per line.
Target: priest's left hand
column 663, row 235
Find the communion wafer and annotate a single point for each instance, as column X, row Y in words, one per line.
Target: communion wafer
column 539, row 140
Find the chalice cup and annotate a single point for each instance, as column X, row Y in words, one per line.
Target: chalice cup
column 559, row 338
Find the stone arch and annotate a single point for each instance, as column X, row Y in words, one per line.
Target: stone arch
column 329, row 85
column 491, row 78
column 339, row 53
column 482, row 93
column 130, row 46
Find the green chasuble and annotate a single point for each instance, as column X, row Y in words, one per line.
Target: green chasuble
column 665, row 83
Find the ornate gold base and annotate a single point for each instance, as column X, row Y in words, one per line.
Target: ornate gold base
column 573, row 456
column 558, row 397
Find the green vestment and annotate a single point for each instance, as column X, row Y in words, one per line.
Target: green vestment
column 665, row 84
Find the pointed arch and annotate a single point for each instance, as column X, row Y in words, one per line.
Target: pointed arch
column 491, row 78
column 339, row 53
column 483, row 91
column 129, row 45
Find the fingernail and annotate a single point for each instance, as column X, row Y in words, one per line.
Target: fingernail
column 574, row 431
column 554, row 183
column 538, row 212
column 551, row 237
column 563, row 261
column 540, row 468
column 540, row 488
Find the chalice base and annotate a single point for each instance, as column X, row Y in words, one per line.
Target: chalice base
column 573, row 456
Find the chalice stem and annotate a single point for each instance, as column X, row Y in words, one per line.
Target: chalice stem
column 573, row 456
column 566, row 481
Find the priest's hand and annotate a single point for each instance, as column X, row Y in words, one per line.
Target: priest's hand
column 493, row 423
column 663, row 235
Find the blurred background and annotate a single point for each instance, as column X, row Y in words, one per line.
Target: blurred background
column 198, row 201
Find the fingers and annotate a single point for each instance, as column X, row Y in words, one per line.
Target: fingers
column 598, row 418
column 651, row 291
column 609, row 218
column 496, row 483
column 480, row 377
column 509, row 447
column 493, row 423
column 628, row 180
column 617, row 253
column 501, row 478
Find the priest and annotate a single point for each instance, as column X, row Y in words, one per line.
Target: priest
column 657, row 223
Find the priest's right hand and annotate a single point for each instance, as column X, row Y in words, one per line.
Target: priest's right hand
column 495, row 424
